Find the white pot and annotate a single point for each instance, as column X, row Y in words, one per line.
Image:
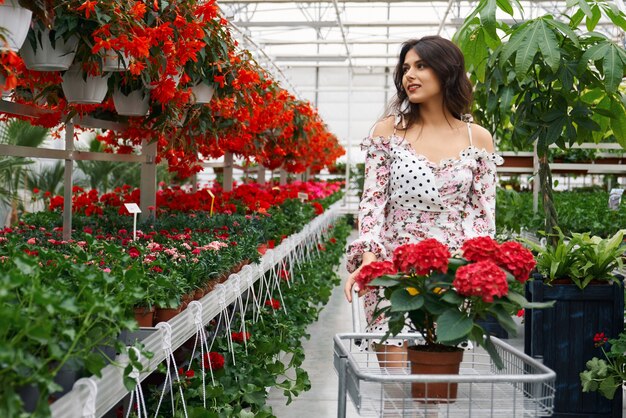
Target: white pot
column 136, row 103
column 5, row 93
column 48, row 58
column 90, row 90
column 111, row 61
column 202, row 93
column 16, row 21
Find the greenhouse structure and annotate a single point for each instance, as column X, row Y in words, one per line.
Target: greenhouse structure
column 273, row 208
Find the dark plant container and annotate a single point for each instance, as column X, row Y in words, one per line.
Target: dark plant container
column 493, row 327
column 563, row 337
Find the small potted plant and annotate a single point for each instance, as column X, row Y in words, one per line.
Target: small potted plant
column 442, row 297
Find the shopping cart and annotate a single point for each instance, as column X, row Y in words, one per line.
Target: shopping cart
column 522, row 388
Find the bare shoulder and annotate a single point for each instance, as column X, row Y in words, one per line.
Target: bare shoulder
column 384, row 127
column 482, row 138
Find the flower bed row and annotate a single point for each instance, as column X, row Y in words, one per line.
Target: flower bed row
column 64, row 299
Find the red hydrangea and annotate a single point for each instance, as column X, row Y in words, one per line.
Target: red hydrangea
column 422, row 258
column 273, row 303
column 480, row 249
column 373, row 270
column 213, row 361
column 484, row 279
column 517, row 259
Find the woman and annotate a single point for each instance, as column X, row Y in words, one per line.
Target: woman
column 429, row 171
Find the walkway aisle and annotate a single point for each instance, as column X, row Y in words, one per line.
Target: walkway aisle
column 321, row 400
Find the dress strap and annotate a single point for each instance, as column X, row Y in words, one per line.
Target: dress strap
column 469, row 131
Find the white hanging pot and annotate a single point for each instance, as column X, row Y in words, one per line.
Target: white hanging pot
column 48, row 58
column 111, row 61
column 90, row 90
column 135, row 103
column 202, row 93
column 16, row 21
column 5, row 93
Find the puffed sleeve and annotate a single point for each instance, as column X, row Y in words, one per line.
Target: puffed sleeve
column 373, row 202
column 480, row 213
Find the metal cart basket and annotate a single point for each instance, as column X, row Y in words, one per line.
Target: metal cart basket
column 522, row 388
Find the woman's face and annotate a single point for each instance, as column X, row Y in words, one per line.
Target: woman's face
column 419, row 80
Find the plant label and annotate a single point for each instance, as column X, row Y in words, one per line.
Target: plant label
column 615, row 198
column 132, row 208
column 303, row 196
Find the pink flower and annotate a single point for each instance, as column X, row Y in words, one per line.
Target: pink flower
column 31, row 241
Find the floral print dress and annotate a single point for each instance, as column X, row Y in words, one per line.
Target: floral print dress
column 407, row 198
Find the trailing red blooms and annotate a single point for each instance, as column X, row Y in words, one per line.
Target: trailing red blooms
column 273, row 303
column 517, row 259
column 480, row 249
column 422, row 258
column 188, row 374
column 213, row 360
column 484, row 279
column 373, row 270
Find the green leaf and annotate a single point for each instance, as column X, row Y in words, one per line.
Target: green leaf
column 565, row 29
column 584, row 6
column 608, row 386
column 616, row 16
column 613, row 68
column 592, row 21
column 506, row 97
column 530, row 46
column 493, row 352
column 618, row 122
column 488, row 17
column 453, row 325
column 402, row 301
column 505, row 6
column 549, row 45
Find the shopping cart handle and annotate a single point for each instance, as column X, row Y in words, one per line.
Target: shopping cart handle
column 356, row 314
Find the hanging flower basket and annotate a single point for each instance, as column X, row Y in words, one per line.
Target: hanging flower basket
column 46, row 57
column 82, row 89
column 16, row 21
column 202, row 93
column 113, row 61
column 135, row 103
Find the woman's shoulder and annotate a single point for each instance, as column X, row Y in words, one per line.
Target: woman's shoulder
column 381, row 135
column 384, row 127
column 481, row 138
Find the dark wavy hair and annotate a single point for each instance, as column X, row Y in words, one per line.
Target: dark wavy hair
column 447, row 61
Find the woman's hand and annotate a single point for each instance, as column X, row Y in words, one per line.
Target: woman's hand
column 350, row 283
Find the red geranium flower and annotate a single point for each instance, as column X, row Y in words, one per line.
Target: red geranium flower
column 273, row 303
column 484, row 279
column 213, row 361
column 133, row 252
column 422, row 258
column 240, row 337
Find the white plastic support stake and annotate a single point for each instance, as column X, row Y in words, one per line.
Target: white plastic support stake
column 89, row 407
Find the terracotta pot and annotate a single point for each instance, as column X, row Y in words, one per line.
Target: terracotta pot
column 165, row 314
column 46, row 57
column 144, row 316
column 15, row 20
column 82, row 89
column 198, row 294
column 434, row 362
column 209, row 286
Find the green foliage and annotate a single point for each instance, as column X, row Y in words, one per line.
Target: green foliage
column 578, row 211
column 580, row 258
column 606, row 376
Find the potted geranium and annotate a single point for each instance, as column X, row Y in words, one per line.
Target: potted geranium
column 442, row 296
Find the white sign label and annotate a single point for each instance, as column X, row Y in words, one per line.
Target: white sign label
column 303, row 196
column 615, row 198
column 132, row 208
